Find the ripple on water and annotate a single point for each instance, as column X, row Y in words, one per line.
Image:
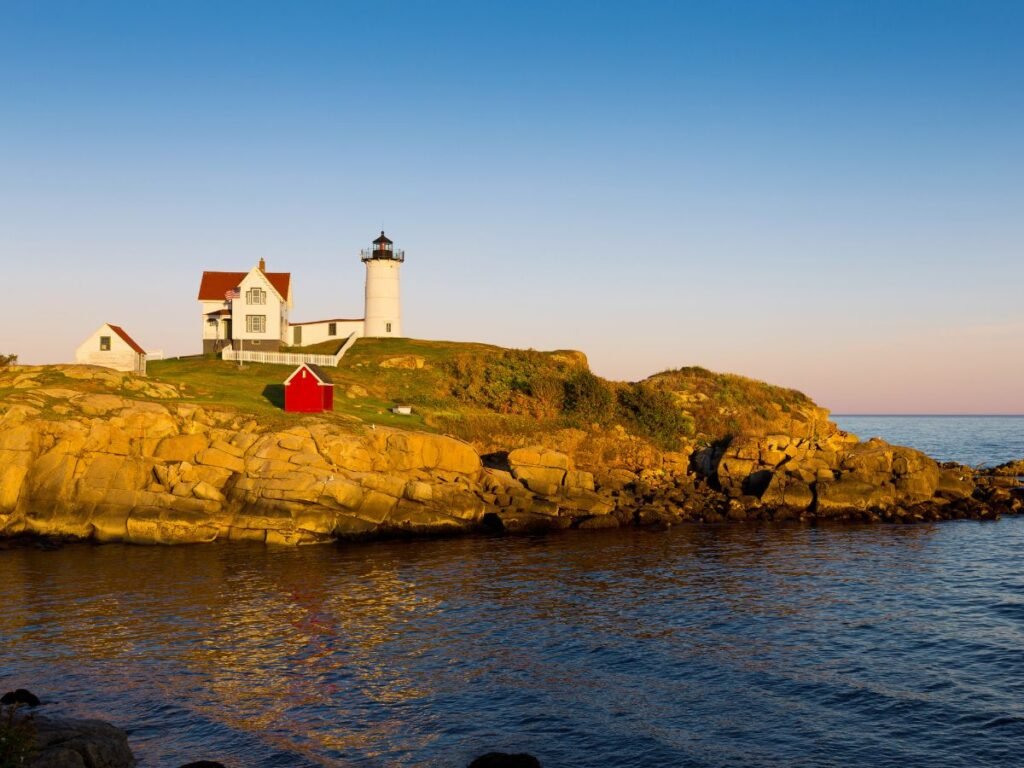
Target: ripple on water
column 771, row 646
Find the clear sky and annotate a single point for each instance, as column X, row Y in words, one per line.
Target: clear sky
column 826, row 195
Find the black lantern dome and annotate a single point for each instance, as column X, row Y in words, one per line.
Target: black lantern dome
column 383, row 248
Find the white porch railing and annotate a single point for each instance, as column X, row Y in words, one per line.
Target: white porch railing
column 287, row 358
column 345, row 347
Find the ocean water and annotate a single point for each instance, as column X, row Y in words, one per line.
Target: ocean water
column 737, row 645
column 971, row 440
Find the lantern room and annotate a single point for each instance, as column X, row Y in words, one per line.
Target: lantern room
column 383, row 249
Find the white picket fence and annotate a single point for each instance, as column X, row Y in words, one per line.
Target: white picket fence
column 276, row 358
column 287, row 358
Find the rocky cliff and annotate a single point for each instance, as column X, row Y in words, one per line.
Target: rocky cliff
column 92, row 454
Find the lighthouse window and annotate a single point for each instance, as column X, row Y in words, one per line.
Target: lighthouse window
column 388, row 329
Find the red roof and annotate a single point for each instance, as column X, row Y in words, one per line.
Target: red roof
column 330, row 320
column 216, row 284
column 318, row 373
column 126, row 338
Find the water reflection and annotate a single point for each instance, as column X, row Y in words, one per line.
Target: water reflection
column 631, row 648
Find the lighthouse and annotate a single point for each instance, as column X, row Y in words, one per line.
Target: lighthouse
column 383, row 283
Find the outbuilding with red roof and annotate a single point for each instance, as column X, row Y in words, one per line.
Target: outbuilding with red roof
column 111, row 347
column 308, row 390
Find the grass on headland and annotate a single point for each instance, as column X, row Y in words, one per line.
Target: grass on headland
column 259, row 389
column 478, row 390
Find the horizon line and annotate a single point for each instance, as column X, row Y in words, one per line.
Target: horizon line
column 934, row 415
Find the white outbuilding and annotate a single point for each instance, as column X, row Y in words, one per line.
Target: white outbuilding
column 111, row 347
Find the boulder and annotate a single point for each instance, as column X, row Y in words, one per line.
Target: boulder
column 20, row 696
column 344, row 493
column 952, row 484
column 408, row 362
column 848, row 493
column 180, row 447
column 598, row 522
column 787, row 491
column 538, row 456
column 579, row 479
column 12, row 478
column 152, row 525
column 225, row 457
column 376, row 507
column 413, row 517
column 541, row 470
column 420, row 450
column 98, row 405
column 67, row 743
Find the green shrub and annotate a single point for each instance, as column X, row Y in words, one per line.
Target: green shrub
column 6, row 361
column 653, row 413
column 587, row 397
column 512, row 381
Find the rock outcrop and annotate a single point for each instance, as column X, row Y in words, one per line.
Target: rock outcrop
column 44, row 741
column 135, row 463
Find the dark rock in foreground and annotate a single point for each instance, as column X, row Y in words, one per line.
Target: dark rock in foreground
column 67, row 743
column 20, row 696
column 505, row 760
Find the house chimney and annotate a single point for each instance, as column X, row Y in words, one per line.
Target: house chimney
column 263, row 265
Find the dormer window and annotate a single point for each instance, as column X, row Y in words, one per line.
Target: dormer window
column 255, row 296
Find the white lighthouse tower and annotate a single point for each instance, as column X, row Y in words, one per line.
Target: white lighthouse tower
column 383, row 283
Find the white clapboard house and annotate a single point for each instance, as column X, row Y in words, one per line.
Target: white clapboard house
column 111, row 347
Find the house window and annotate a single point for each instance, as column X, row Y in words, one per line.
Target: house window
column 388, row 328
column 256, row 323
column 332, row 329
column 255, row 296
column 104, row 343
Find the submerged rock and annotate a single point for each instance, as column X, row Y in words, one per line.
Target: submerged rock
column 505, row 760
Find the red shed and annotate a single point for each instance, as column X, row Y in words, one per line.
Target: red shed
column 308, row 390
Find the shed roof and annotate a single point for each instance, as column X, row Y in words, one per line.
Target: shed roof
column 126, row 338
column 317, row 372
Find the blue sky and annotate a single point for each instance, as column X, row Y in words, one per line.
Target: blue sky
column 827, row 195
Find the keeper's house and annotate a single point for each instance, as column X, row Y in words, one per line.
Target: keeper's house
column 245, row 310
